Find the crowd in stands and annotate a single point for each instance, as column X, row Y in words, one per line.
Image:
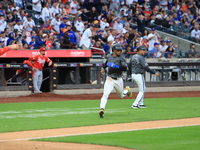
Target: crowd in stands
column 98, row 24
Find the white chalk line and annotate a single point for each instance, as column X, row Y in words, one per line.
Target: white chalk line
column 97, row 133
column 50, row 112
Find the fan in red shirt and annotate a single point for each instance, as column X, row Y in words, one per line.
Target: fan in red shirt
column 147, row 13
column 40, row 60
column 97, row 49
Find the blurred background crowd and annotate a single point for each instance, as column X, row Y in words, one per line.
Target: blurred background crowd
column 98, row 24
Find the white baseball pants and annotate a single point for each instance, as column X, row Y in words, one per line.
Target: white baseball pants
column 140, row 81
column 110, row 83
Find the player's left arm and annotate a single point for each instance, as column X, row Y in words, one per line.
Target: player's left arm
column 145, row 65
column 123, row 66
column 50, row 62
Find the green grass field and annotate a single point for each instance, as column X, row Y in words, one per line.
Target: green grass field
column 178, row 138
column 48, row 115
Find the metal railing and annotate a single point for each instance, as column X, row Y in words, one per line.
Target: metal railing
column 171, row 74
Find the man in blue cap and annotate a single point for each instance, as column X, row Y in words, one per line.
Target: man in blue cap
column 154, row 52
column 64, row 24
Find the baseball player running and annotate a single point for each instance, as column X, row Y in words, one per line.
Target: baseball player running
column 38, row 66
column 116, row 63
column 137, row 67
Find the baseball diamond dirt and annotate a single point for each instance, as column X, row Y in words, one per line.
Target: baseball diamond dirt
column 20, row 140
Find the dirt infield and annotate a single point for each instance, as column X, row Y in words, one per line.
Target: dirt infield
column 55, row 97
column 19, row 140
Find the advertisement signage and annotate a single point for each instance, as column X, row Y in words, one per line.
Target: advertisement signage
column 49, row 53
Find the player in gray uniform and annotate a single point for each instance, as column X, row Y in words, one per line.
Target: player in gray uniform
column 137, row 67
column 115, row 63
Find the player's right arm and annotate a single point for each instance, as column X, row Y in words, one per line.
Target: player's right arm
column 129, row 72
column 28, row 63
column 145, row 65
column 104, row 67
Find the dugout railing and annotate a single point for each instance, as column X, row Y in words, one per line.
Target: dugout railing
column 12, row 80
column 87, row 76
column 171, row 74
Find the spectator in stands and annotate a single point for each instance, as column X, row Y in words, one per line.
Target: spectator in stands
column 189, row 15
column 10, row 38
column 155, row 52
column 38, row 39
column 116, row 40
column 147, row 13
column 124, row 20
column 63, row 25
column 101, row 37
column 145, row 34
column 24, row 39
column 97, row 48
column 86, row 37
column 112, row 35
column 84, row 16
column 164, row 4
column 169, row 52
column 61, row 10
column 32, row 44
column 93, row 15
column 32, row 33
column 152, row 20
column 74, row 6
column 3, row 23
column 18, row 26
column 2, row 10
column 121, row 14
column 98, row 5
column 2, row 44
column 54, row 10
column 67, row 8
column 23, row 15
column 126, row 28
column 128, row 51
column 29, row 24
column 163, row 46
column 108, row 48
column 134, row 48
column 196, row 32
column 118, row 26
column 72, row 37
column 153, row 38
column 46, row 12
column 103, row 23
column 185, row 29
column 192, row 53
column 37, row 5
column 65, row 41
column 192, row 6
column 141, row 23
column 25, row 46
column 55, row 25
column 78, row 23
column 3, row 37
column 114, row 5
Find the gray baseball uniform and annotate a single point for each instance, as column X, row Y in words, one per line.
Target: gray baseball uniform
column 114, row 79
column 137, row 67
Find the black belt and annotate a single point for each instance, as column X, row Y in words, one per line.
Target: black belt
column 114, row 78
column 139, row 73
